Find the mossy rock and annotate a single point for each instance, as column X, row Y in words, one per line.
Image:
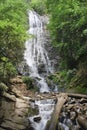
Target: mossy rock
column 33, row 111
column 3, row 87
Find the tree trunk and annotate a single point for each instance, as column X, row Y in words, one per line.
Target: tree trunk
column 61, row 99
column 76, row 95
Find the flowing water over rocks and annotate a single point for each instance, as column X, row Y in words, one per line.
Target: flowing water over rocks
column 36, row 55
column 33, row 112
column 40, row 66
column 40, row 120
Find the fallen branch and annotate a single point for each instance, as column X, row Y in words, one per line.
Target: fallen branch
column 61, row 99
column 76, row 95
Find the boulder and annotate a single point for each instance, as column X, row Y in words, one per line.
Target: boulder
column 10, row 97
column 37, row 119
column 11, row 125
column 73, row 115
column 16, row 80
column 16, row 92
column 21, row 104
column 6, row 108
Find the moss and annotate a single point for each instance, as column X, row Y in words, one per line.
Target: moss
column 28, row 81
column 82, row 90
column 48, row 125
column 33, row 111
column 3, row 88
column 39, row 6
column 78, row 89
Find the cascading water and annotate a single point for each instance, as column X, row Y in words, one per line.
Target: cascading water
column 36, row 55
column 40, row 66
column 46, row 107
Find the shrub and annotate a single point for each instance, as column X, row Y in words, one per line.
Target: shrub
column 28, row 81
column 38, row 6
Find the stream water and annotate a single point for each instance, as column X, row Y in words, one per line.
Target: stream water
column 46, row 108
column 40, row 67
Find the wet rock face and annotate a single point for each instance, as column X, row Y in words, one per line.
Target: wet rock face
column 41, row 68
column 52, row 53
column 23, row 68
column 13, row 114
column 70, row 112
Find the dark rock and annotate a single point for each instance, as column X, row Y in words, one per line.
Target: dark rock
column 2, row 128
column 41, row 68
column 53, row 54
column 30, row 128
column 32, row 100
column 37, row 119
column 33, row 111
column 83, row 100
column 72, row 101
column 61, row 119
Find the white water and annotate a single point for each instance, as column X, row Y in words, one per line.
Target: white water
column 36, row 54
column 46, row 107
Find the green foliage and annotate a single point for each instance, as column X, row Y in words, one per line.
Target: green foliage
column 33, row 111
column 7, row 70
column 63, row 78
column 68, row 27
column 13, row 23
column 82, row 90
column 39, row 6
column 68, row 22
column 54, row 78
column 28, row 81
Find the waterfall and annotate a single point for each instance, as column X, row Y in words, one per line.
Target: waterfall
column 40, row 67
column 36, row 55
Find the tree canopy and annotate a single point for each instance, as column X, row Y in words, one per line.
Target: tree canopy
column 68, row 27
column 13, row 21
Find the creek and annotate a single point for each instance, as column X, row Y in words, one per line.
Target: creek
column 40, row 66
